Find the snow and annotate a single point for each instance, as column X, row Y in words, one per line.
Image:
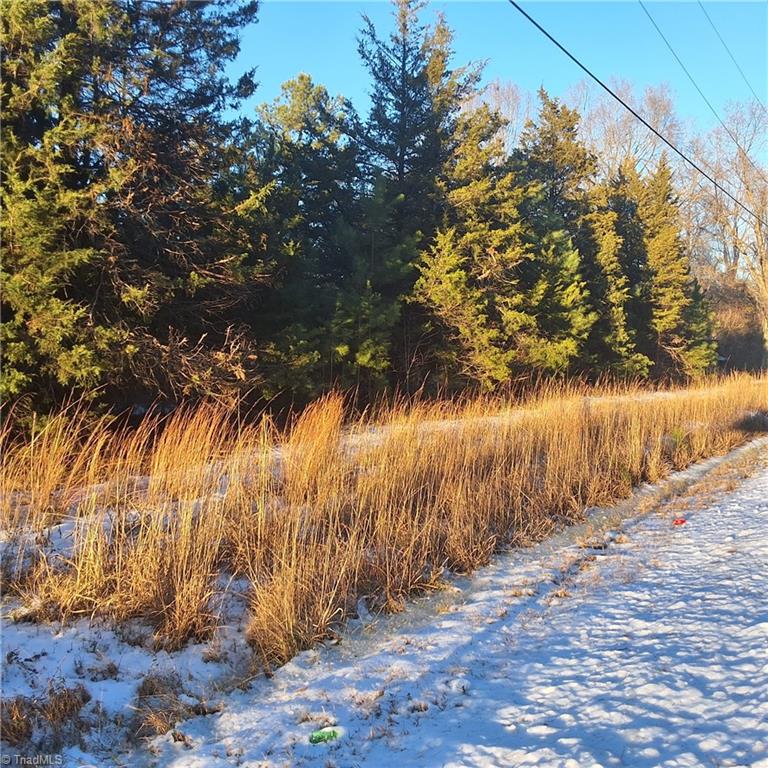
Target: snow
column 650, row 651
column 111, row 663
column 646, row 647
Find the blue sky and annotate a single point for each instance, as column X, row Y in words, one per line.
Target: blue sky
column 614, row 39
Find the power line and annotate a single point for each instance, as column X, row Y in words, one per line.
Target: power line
column 733, row 58
column 696, row 86
column 635, row 113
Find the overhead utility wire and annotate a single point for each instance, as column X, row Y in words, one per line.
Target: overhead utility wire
column 696, row 86
column 635, row 113
column 733, row 58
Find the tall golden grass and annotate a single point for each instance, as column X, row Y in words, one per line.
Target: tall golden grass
column 158, row 520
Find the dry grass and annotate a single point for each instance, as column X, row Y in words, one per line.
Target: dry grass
column 320, row 513
column 16, row 720
column 161, row 705
column 54, row 716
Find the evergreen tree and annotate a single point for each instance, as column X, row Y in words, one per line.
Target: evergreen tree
column 152, row 246
column 405, row 141
column 509, row 295
column 370, row 305
column 679, row 318
column 468, row 277
column 129, row 249
column 624, row 192
column 553, row 161
column 339, row 263
column 614, row 340
column 300, row 146
column 553, row 154
column 416, row 99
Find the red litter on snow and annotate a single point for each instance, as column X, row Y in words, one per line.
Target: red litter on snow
column 679, row 521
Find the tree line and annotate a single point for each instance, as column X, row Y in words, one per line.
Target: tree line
column 155, row 246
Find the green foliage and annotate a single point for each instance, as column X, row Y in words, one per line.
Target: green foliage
column 369, row 306
column 416, row 99
column 682, row 328
column 476, row 250
column 553, row 161
column 406, row 141
column 151, row 247
column 509, row 292
column 553, row 154
column 340, row 266
column 121, row 248
column 614, row 337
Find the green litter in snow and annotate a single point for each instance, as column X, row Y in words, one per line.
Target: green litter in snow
column 324, row 735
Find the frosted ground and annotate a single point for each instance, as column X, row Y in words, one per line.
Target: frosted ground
column 626, row 642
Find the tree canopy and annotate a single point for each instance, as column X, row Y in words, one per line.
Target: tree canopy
column 156, row 246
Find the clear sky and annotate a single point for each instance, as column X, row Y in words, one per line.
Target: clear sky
column 615, row 39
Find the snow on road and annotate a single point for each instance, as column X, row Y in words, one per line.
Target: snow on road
column 650, row 651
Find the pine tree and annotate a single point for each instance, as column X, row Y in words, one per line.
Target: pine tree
column 370, row 303
column 416, row 99
column 301, row 148
column 509, row 295
column 624, row 192
column 613, row 341
column 680, row 322
column 153, row 247
column 554, row 155
column 339, row 262
column 405, row 141
column 130, row 248
column 468, row 278
column 552, row 161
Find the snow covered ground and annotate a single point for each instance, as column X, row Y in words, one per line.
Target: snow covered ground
column 628, row 641
column 648, row 648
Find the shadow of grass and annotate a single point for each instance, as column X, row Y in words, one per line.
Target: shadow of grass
column 752, row 423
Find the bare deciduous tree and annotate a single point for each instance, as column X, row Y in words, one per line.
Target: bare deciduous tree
column 734, row 244
column 615, row 134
